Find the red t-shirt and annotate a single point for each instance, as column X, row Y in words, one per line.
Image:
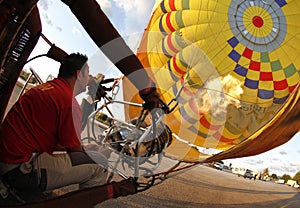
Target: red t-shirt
column 44, row 117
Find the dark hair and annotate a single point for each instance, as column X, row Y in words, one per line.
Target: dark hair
column 70, row 64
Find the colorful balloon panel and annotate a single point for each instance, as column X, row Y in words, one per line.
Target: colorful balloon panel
column 231, row 64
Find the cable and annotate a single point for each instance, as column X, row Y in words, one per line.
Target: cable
column 38, row 56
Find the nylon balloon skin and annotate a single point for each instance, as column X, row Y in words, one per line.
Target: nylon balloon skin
column 233, row 64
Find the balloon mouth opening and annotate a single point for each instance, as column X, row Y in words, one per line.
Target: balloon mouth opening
column 257, row 21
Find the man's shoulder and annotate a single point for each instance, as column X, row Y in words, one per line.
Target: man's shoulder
column 54, row 85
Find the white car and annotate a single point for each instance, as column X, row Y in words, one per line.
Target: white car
column 218, row 166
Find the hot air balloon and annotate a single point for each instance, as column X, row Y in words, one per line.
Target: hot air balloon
column 229, row 71
column 233, row 69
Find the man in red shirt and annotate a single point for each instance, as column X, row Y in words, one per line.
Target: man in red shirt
column 45, row 119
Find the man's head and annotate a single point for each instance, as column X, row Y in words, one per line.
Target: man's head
column 71, row 64
column 75, row 70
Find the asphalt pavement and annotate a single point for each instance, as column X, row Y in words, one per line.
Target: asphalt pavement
column 203, row 186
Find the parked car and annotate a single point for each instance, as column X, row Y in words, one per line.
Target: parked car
column 218, row 165
column 249, row 174
column 239, row 171
column 280, row 181
column 296, row 185
column 293, row 183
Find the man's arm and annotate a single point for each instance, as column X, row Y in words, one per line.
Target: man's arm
column 108, row 39
column 105, row 81
column 73, row 149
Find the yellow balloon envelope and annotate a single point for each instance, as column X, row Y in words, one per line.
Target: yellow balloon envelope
column 231, row 65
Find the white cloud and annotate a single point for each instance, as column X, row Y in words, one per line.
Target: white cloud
column 44, row 15
column 274, row 165
column 255, row 162
column 105, row 6
column 275, row 159
column 127, row 5
column 283, row 152
column 137, row 14
column 44, row 8
column 47, row 19
column 58, row 28
column 76, row 30
column 282, row 168
column 133, row 40
column 43, row 4
column 131, row 18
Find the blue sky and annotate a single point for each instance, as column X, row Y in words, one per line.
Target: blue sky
column 62, row 28
column 130, row 17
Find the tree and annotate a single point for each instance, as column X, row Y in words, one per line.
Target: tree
column 33, row 80
column 286, row 177
column 274, row 176
column 297, row 177
column 266, row 172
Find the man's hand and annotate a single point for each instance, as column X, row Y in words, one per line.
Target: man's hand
column 95, row 89
column 150, row 96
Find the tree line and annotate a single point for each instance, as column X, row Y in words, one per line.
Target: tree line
column 285, row 177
